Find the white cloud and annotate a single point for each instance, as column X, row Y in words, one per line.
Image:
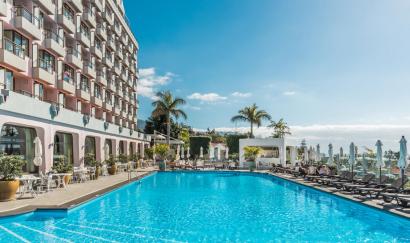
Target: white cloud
column 289, row 93
column 207, row 97
column 241, row 95
column 339, row 135
column 149, row 81
column 191, row 107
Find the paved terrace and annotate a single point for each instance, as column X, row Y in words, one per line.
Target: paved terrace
column 375, row 203
column 74, row 194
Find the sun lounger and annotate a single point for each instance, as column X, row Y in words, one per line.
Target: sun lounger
column 374, row 192
column 367, row 179
column 327, row 181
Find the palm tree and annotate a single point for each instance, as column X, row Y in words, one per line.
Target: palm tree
column 252, row 115
column 167, row 105
column 280, row 128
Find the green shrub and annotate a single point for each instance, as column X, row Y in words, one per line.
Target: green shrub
column 122, row 158
column 195, row 144
column 149, row 153
column 161, row 150
column 11, row 167
column 61, row 166
column 111, row 160
column 232, row 141
column 251, row 152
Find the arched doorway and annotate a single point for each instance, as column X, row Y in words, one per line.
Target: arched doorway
column 90, row 147
column 63, row 147
column 18, row 140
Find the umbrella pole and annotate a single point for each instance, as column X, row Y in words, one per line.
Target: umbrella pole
column 380, row 175
column 402, row 177
column 352, row 173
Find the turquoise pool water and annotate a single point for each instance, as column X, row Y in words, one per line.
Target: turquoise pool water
column 210, row 207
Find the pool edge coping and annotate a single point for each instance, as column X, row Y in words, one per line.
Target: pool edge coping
column 72, row 203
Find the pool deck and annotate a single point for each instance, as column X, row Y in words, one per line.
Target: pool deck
column 73, row 195
column 378, row 204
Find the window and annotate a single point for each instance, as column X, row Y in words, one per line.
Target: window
column 98, row 43
column 16, row 43
column 46, row 61
column 68, row 13
column 108, row 98
column 68, row 74
column 84, row 84
column 63, row 147
column 38, row 90
column 97, row 91
column 16, row 140
column 89, row 146
column 8, row 78
column 85, row 30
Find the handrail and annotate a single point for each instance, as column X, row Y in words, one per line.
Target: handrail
column 14, row 48
column 46, row 65
column 68, row 14
column 73, row 51
column 21, row 11
column 49, row 34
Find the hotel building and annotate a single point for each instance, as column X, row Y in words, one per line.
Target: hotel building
column 68, row 75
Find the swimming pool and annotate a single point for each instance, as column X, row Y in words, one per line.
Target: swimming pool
column 210, row 207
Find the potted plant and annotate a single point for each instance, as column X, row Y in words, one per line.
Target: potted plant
column 251, row 153
column 161, row 151
column 112, row 169
column 61, row 166
column 89, row 160
column 11, row 167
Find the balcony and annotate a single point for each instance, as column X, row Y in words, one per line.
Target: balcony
column 111, row 43
column 117, row 30
column 54, row 43
column 84, row 38
column 131, row 49
column 116, row 110
column 117, row 70
column 130, row 117
column 109, row 17
column 3, row 8
column 101, row 32
column 66, row 85
column 124, row 39
column 73, row 57
column 126, row 62
column 88, row 69
column 108, row 61
column 27, row 23
column 83, row 94
column 96, row 51
column 125, row 97
column 89, row 17
column 44, row 72
column 12, row 55
column 110, row 85
column 67, row 22
column 96, row 101
column 101, row 78
column 124, row 76
column 107, row 106
column 98, row 4
column 76, row 4
column 119, row 53
column 46, row 5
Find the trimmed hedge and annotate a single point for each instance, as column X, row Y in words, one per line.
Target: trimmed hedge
column 195, row 144
column 232, row 141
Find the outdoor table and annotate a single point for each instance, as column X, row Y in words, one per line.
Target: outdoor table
column 28, row 184
column 60, row 179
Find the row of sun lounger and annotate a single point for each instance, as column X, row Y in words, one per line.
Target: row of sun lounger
column 366, row 186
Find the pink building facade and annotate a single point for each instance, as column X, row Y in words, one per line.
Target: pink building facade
column 68, row 75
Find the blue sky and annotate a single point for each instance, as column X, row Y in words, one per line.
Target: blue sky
column 316, row 63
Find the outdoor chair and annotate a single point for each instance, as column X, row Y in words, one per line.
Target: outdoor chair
column 375, row 192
